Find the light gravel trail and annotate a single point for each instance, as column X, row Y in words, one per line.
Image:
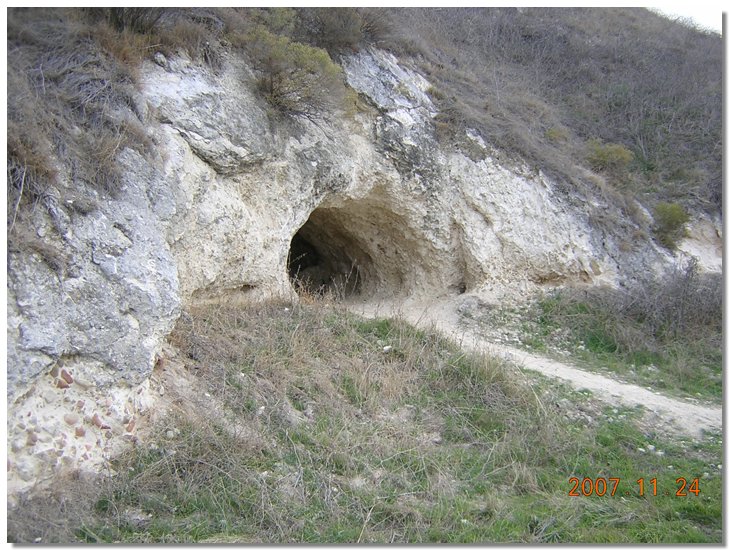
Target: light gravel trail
column 666, row 412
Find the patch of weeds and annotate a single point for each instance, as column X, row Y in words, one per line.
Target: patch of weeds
column 380, row 328
column 351, row 390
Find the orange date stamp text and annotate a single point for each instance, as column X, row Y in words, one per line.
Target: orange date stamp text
column 611, row 486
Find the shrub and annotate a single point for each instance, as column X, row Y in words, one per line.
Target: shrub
column 342, row 29
column 334, row 29
column 436, row 93
column 670, row 223
column 375, row 25
column 556, row 134
column 296, row 79
column 140, row 20
column 608, row 157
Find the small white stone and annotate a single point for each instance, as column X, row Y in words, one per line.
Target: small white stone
column 160, row 59
column 651, row 448
column 660, row 453
column 641, row 450
column 387, row 349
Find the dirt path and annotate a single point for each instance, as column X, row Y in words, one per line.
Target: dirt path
column 664, row 412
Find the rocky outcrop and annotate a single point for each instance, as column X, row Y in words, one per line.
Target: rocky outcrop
column 376, row 206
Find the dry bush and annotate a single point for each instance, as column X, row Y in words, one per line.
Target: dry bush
column 184, row 35
column 138, row 20
column 376, row 27
column 128, row 48
column 684, row 306
column 69, row 99
column 196, row 31
column 340, row 30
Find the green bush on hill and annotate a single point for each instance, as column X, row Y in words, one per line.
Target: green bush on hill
column 670, row 227
column 296, row 79
column 608, row 157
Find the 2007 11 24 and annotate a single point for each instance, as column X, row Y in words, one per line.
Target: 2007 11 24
column 601, row 486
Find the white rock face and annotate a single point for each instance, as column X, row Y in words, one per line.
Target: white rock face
column 705, row 243
column 369, row 203
column 110, row 298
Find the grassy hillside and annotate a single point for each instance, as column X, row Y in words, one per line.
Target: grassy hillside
column 303, row 423
column 631, row 96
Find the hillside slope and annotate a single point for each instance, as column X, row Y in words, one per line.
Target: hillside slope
column 166, row 159
column 287, row 423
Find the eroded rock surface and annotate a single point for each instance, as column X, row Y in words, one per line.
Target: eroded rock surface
column 382, row 209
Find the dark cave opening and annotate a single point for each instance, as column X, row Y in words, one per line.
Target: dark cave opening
column 360, row 249
column 324, row 257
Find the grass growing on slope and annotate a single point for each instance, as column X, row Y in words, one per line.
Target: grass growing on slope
column 665, row 334
column 314, row 425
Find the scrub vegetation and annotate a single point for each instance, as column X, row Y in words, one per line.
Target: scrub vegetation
column 624, row 91
column 558, row 88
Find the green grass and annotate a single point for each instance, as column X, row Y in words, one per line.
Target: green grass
column 666, row 336
column 682, row 365
column 421, row 443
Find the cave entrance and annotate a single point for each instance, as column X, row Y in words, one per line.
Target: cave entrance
column 326, row 257
column 362, row 248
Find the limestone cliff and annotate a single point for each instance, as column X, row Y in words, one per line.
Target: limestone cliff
column 233, row 203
